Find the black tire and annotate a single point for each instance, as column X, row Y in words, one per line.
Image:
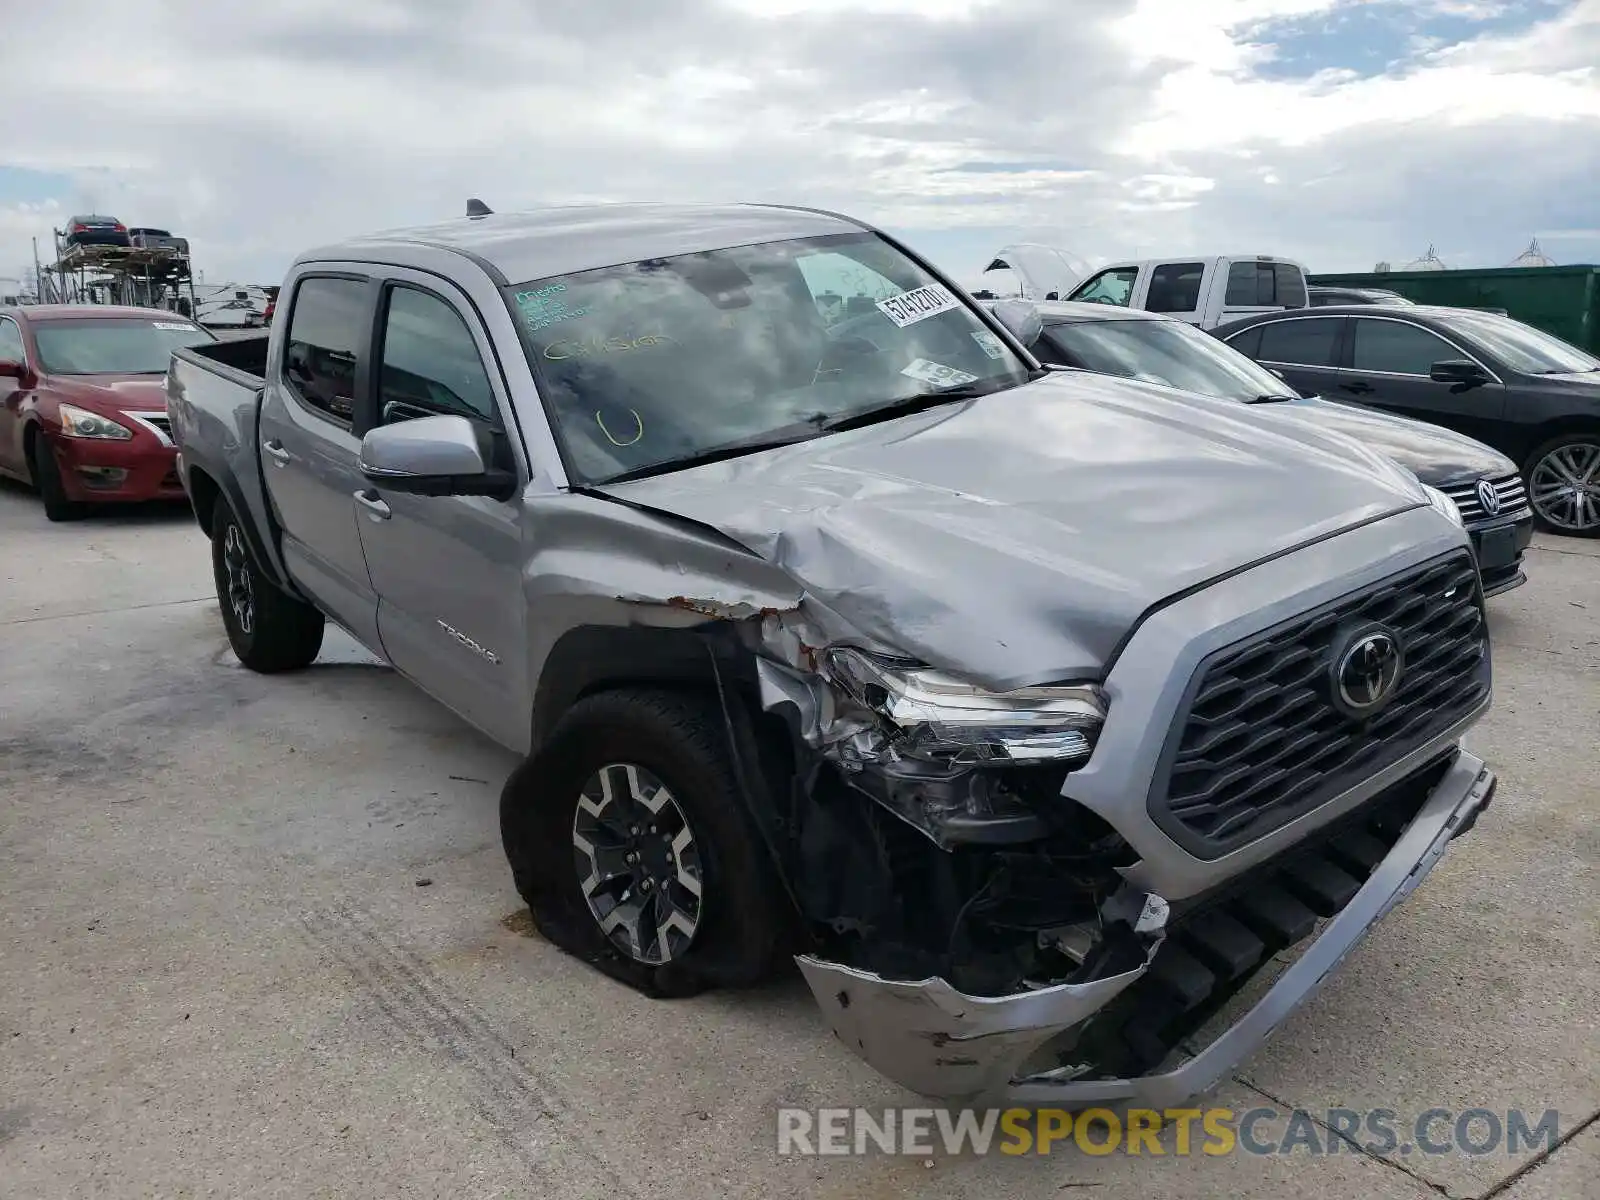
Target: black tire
column 682, row 740
column 47, row 478
column 1563, row 516
column 269, row 630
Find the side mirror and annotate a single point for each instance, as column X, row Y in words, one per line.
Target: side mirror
column 1457, row 371
column 11, row 369
column 1020, row 318
column 433, row 456
column 1279, row 374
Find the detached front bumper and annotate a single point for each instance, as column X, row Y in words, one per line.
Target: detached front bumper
column 939, row 1042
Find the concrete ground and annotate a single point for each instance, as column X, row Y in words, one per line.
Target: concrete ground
column 221, row 972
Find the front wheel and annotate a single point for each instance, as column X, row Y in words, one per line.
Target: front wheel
column 628, row 837
column 1563, row 479
column 269, row 629
column 47, row 478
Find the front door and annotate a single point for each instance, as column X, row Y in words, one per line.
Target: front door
column 309, row 443
column 12, row 394
column 447, row 569
column 1304, row 350
column 1388, row 367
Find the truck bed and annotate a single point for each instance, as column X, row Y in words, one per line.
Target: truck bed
column 213, row 399
column 246, row 357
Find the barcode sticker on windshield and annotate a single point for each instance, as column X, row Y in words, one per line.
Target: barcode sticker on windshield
column 173, row 325
column 937, row 373
column 992, row 345
column 918, row 304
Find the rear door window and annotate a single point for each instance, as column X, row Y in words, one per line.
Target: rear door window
column 1243, row 286
column 324, row 344
column 1300, row 343
column 1175, row 287
column 1396, row 348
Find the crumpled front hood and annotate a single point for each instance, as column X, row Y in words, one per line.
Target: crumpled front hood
column 1437, row 456
column 1019, row 538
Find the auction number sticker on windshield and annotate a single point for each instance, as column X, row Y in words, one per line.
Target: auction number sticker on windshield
column 937, row 373
column 174, row 325
column 991, row 344
column 918, row 305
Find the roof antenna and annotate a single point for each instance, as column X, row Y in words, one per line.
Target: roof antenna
column 477, row 208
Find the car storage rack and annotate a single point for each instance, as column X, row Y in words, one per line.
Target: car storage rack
column 143, row 277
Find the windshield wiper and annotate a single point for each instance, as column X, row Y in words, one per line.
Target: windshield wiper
column 771, row 440
column 906, row 405
column 805, row 431
column 1273, row 398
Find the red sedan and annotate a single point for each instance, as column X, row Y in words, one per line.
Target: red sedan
column 83, row 408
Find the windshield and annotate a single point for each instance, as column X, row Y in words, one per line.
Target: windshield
column 1166, row 352
column 654, row 363
column 113, row 345
column 1522, row 347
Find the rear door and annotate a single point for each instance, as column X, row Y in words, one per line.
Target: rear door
column 1388, row 361
column 310, row 436
column 1304, row 350
column 448, row 569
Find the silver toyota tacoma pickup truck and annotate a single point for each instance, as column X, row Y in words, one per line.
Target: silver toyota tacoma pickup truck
column 1032, row 713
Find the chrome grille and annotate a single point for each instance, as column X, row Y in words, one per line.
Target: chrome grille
column 1512, row 491
column 1260, row 742
column 157, row 422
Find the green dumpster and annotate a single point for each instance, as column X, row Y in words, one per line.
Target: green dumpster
column 1564, row 301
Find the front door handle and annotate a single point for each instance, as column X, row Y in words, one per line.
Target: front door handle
column 373, row 503
column 276, row 452
column 1358, row 388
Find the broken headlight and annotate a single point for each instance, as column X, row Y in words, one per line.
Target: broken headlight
column 942, row 716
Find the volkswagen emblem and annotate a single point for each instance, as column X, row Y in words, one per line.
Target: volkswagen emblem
column 1367, row 665
column 1488, row 497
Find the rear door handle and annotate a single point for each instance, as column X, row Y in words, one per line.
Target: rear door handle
column 373, row 503
column 1358, row 388
column 276, row 452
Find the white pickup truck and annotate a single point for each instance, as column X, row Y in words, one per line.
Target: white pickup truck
column 1202, row 291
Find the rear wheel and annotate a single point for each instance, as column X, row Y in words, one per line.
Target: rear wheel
column 1563, row 478
column 46, row 474
column 269, row 629
column 628, row 837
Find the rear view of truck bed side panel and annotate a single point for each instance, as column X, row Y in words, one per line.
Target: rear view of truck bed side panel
column 213, row 399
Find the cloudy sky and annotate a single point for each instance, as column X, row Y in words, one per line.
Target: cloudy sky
column 1337, row 131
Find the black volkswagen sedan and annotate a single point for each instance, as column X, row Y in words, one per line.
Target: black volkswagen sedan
column 1484, row 484
column 1528, row 394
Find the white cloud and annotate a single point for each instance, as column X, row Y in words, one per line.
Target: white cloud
column 1112, row 124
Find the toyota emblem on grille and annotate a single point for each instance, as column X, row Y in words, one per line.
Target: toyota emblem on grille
column 1488, row 497
column 1367, row 664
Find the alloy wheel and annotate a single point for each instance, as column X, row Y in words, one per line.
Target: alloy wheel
column 241, row 595
column 1564, row 487
column 638, row 863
